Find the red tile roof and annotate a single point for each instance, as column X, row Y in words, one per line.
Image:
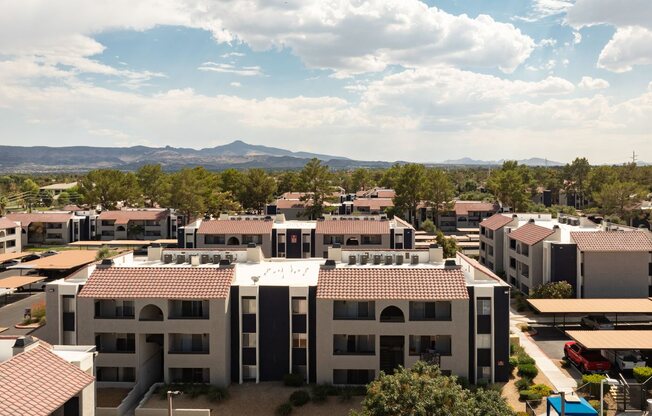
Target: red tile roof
column 373, row 203
column 464, row 207
column 353, row 226
column 7, row 223
column 612, row 241
column 291, row 203
column 158, row 282
column 530, row 233
column 27, row 218
column 37, row 382
column 124, row 216
column 236, row 227
column 496, row 221
column 391, row 283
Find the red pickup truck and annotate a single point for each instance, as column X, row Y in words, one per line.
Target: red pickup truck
column 587, row 361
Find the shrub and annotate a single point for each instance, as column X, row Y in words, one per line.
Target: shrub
column 428, row 226
column 541, row 389
column 320, row 392
column 464, row 382
column 528, row 395
column 293, row 380
column 595, row 404
column 217, row 394
column 522, row 384
column 513, row 362
column 524, row 327
column 345, row 395
column 641, row 374
column 299, row 398
column 283, row 409
column 553, row 290
column 525, row 359
column 521, row 414
column 593, row 380
column 527, row 370
column 38, row 312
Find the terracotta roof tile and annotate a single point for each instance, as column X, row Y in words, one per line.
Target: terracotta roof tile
column 37, row 382
column 353, row 226
column 391, row 283
column 496, row 221
column 158, row 282
column 373, row 203
column 464, row 207
column 612, row 241
column 28, row 218
column 124, row 216
column 7, row 223
column 290, row 203
column 236, row 227
column 530, row 233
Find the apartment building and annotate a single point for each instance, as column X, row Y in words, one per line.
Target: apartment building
column 40, row 379
column 460, row 215
column 10, row 236
column 279, row 237
column 51, row 227
column 237, row 317
column 138, row 224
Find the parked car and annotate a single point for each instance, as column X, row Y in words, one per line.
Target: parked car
column 626, row 359
column 30, row 257
column 596, row 322
column 6, row 264
column 588, row 361
column 49, row 253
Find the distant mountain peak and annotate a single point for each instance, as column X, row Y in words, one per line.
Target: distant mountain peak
column 533, row 161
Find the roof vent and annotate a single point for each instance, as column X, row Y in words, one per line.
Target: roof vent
column 167, row 258
column 377, row 258
column 352, row 260
column 555, row 227
column 105, row 264
column 514, row 216
column 399, row 260
column 204, row 258
column 414, row 259
column 22, row 342
column 217, row 258
column 329, row 264
column 181, row 258
column 388, row 260
column 364, row 258
column 531, row 221
column 225, row 263
column 450, row 263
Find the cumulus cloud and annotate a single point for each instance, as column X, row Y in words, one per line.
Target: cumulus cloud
column 588, row 83
column 235, row 84
column 628, row 47
column 246, row 71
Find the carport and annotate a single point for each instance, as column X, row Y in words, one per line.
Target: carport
column 563, row 307
column 65, row 260
column 9, row 284
column 13, row 256
column 613, row 340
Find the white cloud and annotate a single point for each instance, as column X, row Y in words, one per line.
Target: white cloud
column 246, row 71
column 617, row 13
column 232, row 55
column 588, row 83
column 577, row 38
column 235, row 84
column 628, row 47
column 546, row 8
column 547, row 42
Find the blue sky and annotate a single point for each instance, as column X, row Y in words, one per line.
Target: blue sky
column 386, row 80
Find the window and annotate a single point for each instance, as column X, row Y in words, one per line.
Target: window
column 372, row 239
column 248, row 305
column 190, row 375
column 299, row 340
column 484, row 374
column 252, row 238
column 215, row 239
column 354, row 344
column 11, row 243
column 483, row 341
column 484, row 306
column 192, row 308
column 333, row 239
column 525, row 250
column 299, row 306
column 189, row 343
column 125, row 343
column 123, row 374
column 353, row 310
column 420, row 344
column 430, row 311
column 249, row 372
column 512, row 244
column 248, row 340
column 512, row 263
column 353, row 376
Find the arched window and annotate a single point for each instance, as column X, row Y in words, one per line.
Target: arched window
column 120, row 228
column 233, row 241
column 392, row 314
column 151, row 313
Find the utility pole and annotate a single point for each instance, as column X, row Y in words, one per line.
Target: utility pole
column 634, row 157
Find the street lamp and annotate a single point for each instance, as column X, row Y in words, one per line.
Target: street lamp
column 170, row 395
column 609, row 381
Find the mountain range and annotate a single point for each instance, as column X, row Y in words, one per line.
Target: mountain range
column 236, row 154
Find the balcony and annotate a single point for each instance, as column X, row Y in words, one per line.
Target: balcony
column 189, row 344
column 188, row 309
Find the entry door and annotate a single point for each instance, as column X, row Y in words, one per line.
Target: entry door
column 392, row 353
column 293, row 244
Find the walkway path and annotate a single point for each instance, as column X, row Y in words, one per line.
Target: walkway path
column 559, row 380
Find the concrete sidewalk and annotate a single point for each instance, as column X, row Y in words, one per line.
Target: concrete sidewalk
column 559, row 380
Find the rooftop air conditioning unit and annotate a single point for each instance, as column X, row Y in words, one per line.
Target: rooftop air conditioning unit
column 217, row 258
column 377, row 258
column 388, row 260
column 399, row 260
column 352, row 260
column 204, row 258
column 414, row 259
column 364, row 258
column 229, row 257
column 181, row 258
column 225, row 263
column 167, row 258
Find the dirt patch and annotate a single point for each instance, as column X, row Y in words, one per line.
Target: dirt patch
column 111, row 397
column 510, row 392
column 259, row 399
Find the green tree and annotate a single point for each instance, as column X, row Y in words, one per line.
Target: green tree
column 617, row 197
column 410, row 190
column 390, row 176
column 132, row 194
column 153, row 183
column 30, row 192
column 258, row 189
column 361, row 180
column 289, row 182
column 511, row 184
column 553, row 290
column 449, row 245
column 490, row 403
column 47, row 198
column 577, row 173
column 64, row 198
column 316, row 182
column 428, row 226
column 438, row 191
column 3, row 205
column 232, row 180
column 187, row 194
column 219, row 202
column 107, row 187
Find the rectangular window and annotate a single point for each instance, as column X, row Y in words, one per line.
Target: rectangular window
column 249, row 305
column 373, row 239
column 353, row 310
column 252, row 238
column 333, row 239
column 215, row 239
column 125, row 342
column 190, row 375
column 484, row 306
column 484, row 374
column 299, row 306
column 299, row 340
column 421, row 344
column 354, row 344
column 248, row 340
column 483, row 341
column 249, row 372
column 430, row 311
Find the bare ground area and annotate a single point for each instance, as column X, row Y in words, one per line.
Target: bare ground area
column 111, row 397
column 510, row 393
column 260, row 399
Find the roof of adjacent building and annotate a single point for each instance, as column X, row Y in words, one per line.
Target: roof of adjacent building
column 291, row 203
column 14, row 282
column 464, row 207
column 612, row 241
column 64, row 260
column 588, row 306
column 37, row 382
column 122, row 217
column 367, row 283
column 373, row 203
column 240, row 226
column 402, row 222
column 354, row 225
column 606, row 339
column 496, row 221
column 531, row 233
column 28, row 218
column 7, row 223
column 158, row 282
column 59, row 186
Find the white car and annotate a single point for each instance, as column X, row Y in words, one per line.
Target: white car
column 625, row 359
column 596, row 322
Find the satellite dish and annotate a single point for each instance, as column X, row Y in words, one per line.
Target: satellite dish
column 255, row 279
